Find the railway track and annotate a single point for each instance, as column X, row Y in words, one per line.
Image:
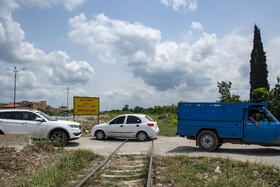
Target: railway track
column 122, row 170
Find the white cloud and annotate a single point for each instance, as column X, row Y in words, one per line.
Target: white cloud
column 162, row 65
column 105, row 37
column 40, row 67
column 196, row 26
column 177, row 4
column 68, row 4
column 2, row 33
column 196, row 66
column 272, row 56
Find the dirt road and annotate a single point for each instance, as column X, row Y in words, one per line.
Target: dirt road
column 181, row 146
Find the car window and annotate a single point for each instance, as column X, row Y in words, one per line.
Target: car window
column 259, row 115
column 49, row 118
column 29, row 116
column 118, row 120
column 133, row 120
column 149, row 118
column 11, row 115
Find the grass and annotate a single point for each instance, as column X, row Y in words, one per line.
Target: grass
column 167, row 171
column 44, row 144
column 202, row 171
column 166, row 127
column 63, row 171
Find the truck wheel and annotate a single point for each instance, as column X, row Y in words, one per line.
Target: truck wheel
column 208, row 141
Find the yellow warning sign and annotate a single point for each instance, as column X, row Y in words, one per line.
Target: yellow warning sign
column 86, row 106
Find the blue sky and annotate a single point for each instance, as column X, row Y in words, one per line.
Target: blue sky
column 136, row 52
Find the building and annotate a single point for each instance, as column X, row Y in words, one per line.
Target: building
column 33, row 105
column 27, row 104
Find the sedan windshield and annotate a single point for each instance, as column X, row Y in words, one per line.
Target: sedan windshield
column 46, row 116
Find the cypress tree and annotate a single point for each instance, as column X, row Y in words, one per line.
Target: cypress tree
column 259, row 72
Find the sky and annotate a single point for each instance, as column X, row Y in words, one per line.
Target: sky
column 133, row 52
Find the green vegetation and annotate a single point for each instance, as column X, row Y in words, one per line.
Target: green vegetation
column 167, row 171
column 45, row 144
column 167, row 125
column 258, row 73
column 206, row 171
column 63, row 171
column 226, row 96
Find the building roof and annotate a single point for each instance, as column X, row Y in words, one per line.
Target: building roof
column 11, row 106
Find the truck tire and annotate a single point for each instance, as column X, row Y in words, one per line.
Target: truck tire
column 207, row 140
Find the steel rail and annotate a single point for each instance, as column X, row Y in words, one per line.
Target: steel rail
column 148, row 184
column 100, row 165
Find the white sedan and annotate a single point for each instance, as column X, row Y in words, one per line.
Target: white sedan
column 137, row 126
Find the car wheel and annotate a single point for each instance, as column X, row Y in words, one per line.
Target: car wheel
column 58, row 138
column 142, row 136
column 100, row 135
column 208, row 141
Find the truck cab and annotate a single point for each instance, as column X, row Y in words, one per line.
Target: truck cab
column 264, row 129
column 212, row 124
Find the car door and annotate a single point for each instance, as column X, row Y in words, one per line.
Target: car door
column 265, row 133
column 115, row 128
column 132, row 126
column 11, row 121
column 36, row 129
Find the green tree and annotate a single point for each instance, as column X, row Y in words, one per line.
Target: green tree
column 260, row 95
column 125, row 108
column 138, row 109
column 258, row 72
column 226, row 96
column 273, row 100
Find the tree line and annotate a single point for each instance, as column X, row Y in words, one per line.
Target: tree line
column 152, row 110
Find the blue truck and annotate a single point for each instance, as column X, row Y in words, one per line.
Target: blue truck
column 212, row 124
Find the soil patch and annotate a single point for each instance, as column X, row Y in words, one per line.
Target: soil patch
column 18, row 163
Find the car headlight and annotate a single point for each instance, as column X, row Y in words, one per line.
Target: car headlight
column 74, row 126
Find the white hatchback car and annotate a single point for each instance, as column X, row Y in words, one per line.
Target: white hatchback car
column 38, row 125
column 137, row 126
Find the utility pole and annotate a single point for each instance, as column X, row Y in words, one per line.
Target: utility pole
column 15, row 70
column 67, row 88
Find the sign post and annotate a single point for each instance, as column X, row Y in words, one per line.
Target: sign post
column 86, row 106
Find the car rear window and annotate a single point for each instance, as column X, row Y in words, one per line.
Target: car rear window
column 149, row 118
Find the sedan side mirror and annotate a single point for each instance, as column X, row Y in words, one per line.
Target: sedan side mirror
column 39, row 119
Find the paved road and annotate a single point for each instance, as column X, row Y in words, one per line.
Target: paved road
column 180, row 146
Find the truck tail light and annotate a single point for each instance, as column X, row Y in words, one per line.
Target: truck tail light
column 150, row 124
